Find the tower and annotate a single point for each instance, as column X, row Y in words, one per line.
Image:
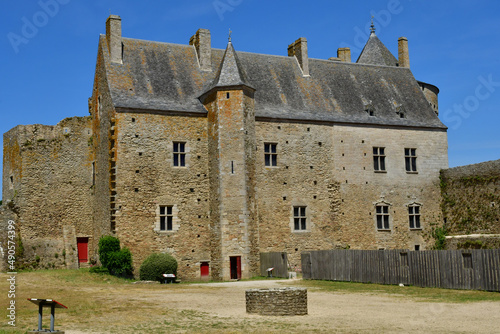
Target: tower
column 231, row 142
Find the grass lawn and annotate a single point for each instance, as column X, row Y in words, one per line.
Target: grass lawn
column 99, row 302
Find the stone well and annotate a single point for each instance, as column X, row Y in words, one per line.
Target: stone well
column 277, row 301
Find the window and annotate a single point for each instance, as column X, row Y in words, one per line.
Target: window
column 411, row 159
column 370, row 110
column 270, row 154
column 299, row 218
column 99, row 106
column 179, row 154
column 166, row 218
column 382, row 215
column 379, row 159
column 414, row 216
column 93, row 173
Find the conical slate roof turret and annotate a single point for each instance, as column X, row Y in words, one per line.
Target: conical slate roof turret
column 230, row 72
column 375, row 52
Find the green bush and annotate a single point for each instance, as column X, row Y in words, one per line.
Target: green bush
column 115, row 260
column 120, row 263
column 157, row 264
column 439, row 234
column 107, row 246
column 98, row 270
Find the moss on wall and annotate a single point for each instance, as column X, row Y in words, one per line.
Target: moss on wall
column 471, row 198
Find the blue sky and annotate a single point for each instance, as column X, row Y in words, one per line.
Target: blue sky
column 49, row 50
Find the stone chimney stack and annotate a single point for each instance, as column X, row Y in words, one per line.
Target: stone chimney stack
column 114, row 38
column 202, row 43
column 344, row 54
column 404, row 57
column 299, row 50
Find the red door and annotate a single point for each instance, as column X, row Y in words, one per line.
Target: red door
column 204, row 269
column 83, row 249
column 235, row 267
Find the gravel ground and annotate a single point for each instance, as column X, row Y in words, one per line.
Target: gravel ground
column 329, row 312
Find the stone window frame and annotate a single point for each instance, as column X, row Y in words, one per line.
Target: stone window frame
column 383, row 215
column 414, row 215
column 182, row 156
column 306, row 217
column 411, row 160
column 176, row 223
column 379, row 159
column 272, row 155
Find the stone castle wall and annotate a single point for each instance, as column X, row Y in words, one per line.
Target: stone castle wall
column 362, row 188
column 329, row 169
column 471, row 203
column 146, row 179
column 47, row 182
column 102, row 111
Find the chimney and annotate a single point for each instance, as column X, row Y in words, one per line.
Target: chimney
column 344, row 54
column 114, row 38
column 202, row 43
column 299, row 50
column 404, row 57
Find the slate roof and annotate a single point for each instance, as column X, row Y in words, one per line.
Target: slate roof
column 165, row 77
column 375, row 53
column 230, row 72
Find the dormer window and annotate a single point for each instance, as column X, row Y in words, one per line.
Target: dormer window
column 370, row 110
column 400, row 110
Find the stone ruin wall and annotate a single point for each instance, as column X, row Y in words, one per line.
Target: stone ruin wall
column 47, row 183
column 471, row 204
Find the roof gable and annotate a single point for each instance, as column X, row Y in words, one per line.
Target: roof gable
column 230, row 72
column 375, row 53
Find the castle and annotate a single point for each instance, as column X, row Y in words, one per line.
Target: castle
column 216, row 156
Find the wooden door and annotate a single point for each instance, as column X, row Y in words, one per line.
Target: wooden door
column 83, row 249
column 204, row 269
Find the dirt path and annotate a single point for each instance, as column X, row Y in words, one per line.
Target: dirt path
column 224, row 304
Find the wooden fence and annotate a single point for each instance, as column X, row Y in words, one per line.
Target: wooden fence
column 450, row 269
column 276, row 260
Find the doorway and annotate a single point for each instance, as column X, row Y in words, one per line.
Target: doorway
column 235, row 265
column 204, row 270
column 83, row 249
